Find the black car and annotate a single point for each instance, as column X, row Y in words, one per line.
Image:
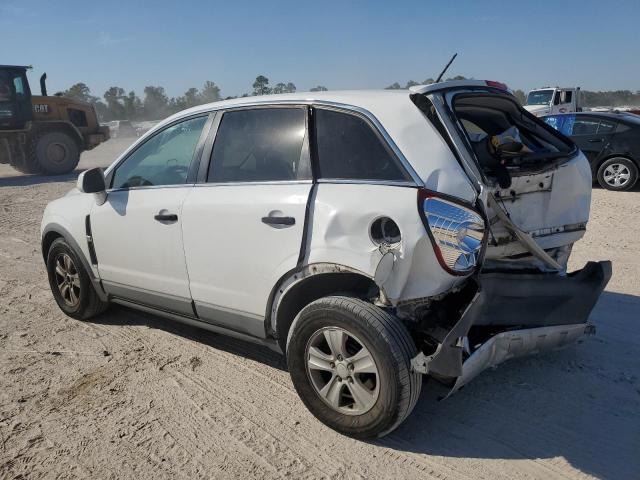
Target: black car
column 611, row 142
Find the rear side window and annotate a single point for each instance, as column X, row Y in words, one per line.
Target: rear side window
column 606, row 127
column 585, row 126
column 349, row 149
column 264, row 144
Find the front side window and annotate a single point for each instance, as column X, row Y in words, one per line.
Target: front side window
column 162, row 160
column 349, row 149
column 19, row 85
column 260, row 145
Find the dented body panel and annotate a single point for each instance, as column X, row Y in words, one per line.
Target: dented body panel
column 463, row 315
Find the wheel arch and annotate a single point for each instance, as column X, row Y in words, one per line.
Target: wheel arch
column 51, row 233
column 626, row 156
column 41, row 128
column 298, row 288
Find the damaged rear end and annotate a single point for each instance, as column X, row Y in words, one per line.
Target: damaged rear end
column 533, row 197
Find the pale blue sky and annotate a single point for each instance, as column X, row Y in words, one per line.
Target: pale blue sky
column 341, row 45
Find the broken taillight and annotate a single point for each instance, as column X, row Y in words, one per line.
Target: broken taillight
column 456, row 231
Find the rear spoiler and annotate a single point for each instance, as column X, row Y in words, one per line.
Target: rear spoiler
column 434, row 87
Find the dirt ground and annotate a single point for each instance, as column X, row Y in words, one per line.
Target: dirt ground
column 133, row 396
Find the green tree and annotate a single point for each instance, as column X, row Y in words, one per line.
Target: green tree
column 210, row 93
column 132, row 106
column 115, row 102
column 411, row 83
column 393, row 86
column 156, row 103
column 319, row 88
column 278, row 88
column 261, row 86
column 80, row 91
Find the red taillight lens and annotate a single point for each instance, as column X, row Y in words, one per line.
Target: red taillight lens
column 456, row 231
column 494, row 84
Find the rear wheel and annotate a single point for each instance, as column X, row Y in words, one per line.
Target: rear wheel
column 56, row 153
column 70, row 283
column 618, row 174
column 350, row 362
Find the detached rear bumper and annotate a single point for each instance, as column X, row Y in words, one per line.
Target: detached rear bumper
column 527, row 313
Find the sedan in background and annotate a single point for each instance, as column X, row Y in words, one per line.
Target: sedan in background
column 611, row 142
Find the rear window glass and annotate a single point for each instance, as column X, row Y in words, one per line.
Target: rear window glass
column 349, row 149
column 264, row 144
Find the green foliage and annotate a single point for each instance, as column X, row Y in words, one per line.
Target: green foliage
column 80, row 91
column 118, row 105
column 261, row 86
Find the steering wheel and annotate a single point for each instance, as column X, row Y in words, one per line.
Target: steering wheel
column 136, row 181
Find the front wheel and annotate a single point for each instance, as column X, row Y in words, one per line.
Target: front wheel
column 350, row 363
column 70, row 283
column 617, row 174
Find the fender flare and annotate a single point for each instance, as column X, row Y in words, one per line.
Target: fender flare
column 54, row 230
column 294, row 278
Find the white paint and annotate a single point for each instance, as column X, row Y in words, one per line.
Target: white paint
column 135, row 249
column 233, row 258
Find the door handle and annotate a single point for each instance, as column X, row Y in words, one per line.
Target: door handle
column 279, row 220
column 166, row 217
column 596, row 140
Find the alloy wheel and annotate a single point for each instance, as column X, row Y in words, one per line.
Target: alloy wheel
column 67, row 279
column 342, row 371
column 617, row 175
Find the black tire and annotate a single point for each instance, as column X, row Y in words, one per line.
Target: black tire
column 617, row 164
column 391, row 347
column 27, row 163
column 56, row 153
column 88, row 303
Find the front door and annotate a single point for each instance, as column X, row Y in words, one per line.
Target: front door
column 137, row 232
column 243, row 229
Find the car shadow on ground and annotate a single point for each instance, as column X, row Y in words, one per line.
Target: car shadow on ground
column 118, row 315
column 29, row 180
column 579, row 403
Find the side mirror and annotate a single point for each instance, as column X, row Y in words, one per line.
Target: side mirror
column 92, row 181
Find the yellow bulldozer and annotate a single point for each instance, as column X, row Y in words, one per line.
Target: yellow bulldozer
column 43, row 134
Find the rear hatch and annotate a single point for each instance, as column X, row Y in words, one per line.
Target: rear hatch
column 532, row 181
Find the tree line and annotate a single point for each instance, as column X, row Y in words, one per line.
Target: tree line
column 117, row 104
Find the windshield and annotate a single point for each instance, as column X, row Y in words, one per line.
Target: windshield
column 540, row 97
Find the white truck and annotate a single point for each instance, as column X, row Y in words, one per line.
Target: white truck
column 552, row 100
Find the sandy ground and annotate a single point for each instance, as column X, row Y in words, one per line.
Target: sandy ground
column 133, row 396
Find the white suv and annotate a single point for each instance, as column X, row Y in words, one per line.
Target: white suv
column 371, row 236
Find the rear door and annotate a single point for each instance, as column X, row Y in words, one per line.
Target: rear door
column 592, row 135
column 243, row 227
